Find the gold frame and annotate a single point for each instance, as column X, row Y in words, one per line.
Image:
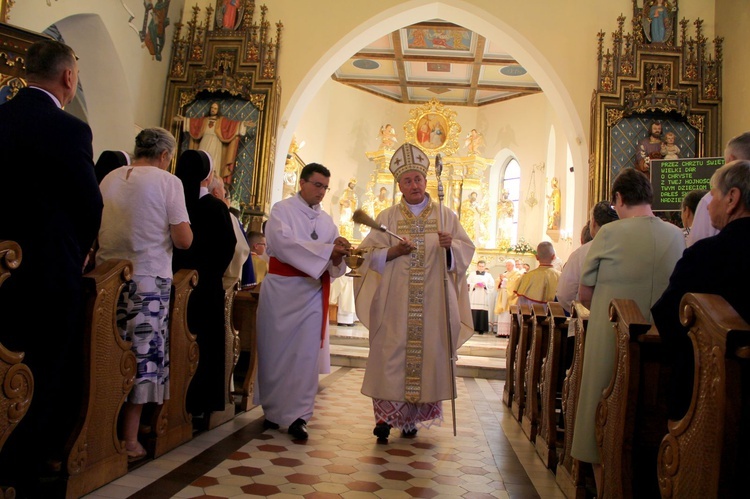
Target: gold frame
column 434, row 112
column 5, row 6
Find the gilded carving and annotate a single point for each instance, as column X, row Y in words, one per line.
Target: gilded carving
column 697, row 121
column 433, row 128
column 614, row 116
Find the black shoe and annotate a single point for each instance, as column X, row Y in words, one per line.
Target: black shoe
column 382, row 431
column 298, row 429
column 409, row 434
column 270, row 425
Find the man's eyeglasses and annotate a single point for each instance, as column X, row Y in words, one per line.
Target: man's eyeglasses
column 318, row 185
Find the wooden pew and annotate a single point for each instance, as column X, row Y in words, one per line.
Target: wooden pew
column 16, row 380
column 522, row 354
column 245, row 313
column 699, row 455
column 96, row 455
column 231, row 354
column 570, row 474
column 550, row 381
column 631, row 418
column 537, row 347
column 171, row 423
column 511, row 355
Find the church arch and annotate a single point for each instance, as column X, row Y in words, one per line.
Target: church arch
column 398, row 16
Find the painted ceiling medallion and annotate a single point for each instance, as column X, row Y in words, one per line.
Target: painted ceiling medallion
column 512, row 70
column 366, row 64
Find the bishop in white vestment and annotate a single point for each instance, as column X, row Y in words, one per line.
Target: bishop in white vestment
column 401, row 300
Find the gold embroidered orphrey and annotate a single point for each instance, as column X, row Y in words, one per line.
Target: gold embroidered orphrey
column 415, row 227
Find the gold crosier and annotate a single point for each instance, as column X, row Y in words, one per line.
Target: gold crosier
column 415, row 227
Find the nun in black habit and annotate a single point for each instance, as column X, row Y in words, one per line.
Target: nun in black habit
column 210, row 254
column 108, row 162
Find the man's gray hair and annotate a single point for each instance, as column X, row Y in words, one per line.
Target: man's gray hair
column 215, row 183
column 545, row 251
column 739, row 146
column 734, row 174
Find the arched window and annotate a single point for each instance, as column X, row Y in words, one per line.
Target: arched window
column 507, row 230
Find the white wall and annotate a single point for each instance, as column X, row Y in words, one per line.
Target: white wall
column 123, row 85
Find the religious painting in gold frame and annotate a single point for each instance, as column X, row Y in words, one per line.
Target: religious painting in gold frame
column 5, row 6
column 433, row 128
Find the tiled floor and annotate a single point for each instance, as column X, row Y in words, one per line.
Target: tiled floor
column 489, row 457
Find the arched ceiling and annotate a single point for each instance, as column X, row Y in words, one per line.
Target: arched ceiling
column 436, row 59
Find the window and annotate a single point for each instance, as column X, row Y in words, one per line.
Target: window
column 507, row 230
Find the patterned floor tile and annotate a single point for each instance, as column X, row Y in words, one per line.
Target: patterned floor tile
column 489, row 457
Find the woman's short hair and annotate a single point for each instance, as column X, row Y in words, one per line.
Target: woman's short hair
column 734, row 174
column 691, row 200
column 634, row 188
column 603, row 213
column 152, row 142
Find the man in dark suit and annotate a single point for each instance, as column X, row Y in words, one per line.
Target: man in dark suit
column 730, row 214
column 55, row 218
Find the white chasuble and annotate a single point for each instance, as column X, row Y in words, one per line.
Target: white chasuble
column 404, row 306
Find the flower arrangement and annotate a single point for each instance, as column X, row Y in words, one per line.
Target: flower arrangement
column 520, row 247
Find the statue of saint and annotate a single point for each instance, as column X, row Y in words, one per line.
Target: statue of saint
column 657, row 20
column 649, row 148
column 387, row 136
column 553, row 206
column 669, row 149
column 347, row 204
column 382, row 202
column 218, row 136
column 474, row 141
column 229, row 14
column 470, row 215
column 504, row 220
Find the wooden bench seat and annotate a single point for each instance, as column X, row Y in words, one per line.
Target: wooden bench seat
column 536, row 349
column 97, row 456
column 16, row 379
column 231, row 355
column 704, row 454
column 550, row 382
column 631, row 418
column 570, row 473
column 245, row 313
column 171, row 423
column 522, row 356
column 511, row 355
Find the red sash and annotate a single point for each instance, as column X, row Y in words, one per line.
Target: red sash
column 278, row 267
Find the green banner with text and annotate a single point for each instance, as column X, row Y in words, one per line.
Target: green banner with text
column 672, row 179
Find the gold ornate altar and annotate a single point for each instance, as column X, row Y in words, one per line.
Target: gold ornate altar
column 433, row 128
column 676, row 81
column 231, row 59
